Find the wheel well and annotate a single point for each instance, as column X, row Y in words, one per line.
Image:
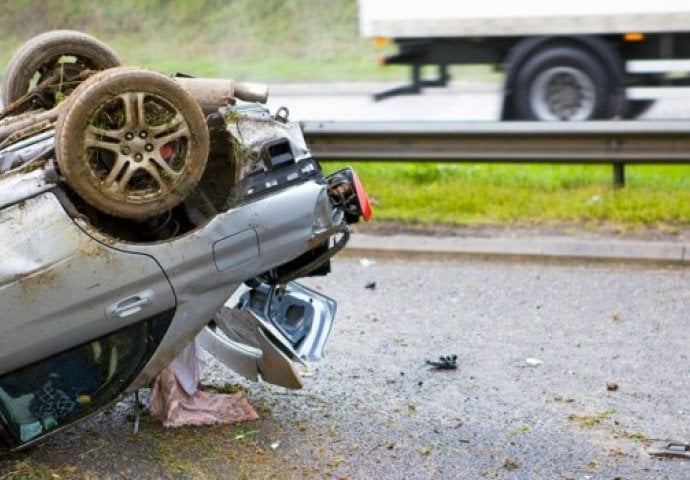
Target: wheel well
column 610, row 59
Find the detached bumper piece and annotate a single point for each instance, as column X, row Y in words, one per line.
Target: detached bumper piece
column 271, row 328
column 670, row 449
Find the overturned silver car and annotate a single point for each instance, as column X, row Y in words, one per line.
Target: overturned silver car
column 130, row 212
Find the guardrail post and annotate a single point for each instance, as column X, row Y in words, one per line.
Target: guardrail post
column 618, row 175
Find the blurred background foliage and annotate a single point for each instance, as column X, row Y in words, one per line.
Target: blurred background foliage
column 266, row 40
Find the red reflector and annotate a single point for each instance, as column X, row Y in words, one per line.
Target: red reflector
column 364, row 204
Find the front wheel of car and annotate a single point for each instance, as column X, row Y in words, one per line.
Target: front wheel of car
column 131, row 142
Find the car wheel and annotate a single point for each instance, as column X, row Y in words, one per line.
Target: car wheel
column 563, row 83
column 131, row 142
column 55, row 61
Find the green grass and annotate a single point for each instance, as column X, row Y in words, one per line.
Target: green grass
column 462, row 194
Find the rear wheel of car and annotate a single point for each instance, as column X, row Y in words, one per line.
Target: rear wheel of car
column 56, row 61
column 131, row 142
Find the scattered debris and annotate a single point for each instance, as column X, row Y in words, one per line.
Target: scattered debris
column 637, row 436
column 370, row 286
column 444, row 362
column 670, row 449
column 611, row 386
column 424, row 450
column 365, row 262
column 243, row 434
column 533, row 362
column 589, row 420
column 585, row 420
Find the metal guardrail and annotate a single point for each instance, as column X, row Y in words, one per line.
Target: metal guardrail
column 602, row 142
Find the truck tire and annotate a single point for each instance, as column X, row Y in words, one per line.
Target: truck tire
column 61, row 54
column 131, row 143
column 563, row 83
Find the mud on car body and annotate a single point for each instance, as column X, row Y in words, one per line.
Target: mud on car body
column 129, row 214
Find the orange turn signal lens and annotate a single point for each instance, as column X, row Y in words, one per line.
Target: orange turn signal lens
column 633, row 37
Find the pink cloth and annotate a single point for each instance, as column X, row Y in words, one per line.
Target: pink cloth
column 188, row 367
column 171, row 404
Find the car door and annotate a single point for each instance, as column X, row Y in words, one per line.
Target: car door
column 60, row 288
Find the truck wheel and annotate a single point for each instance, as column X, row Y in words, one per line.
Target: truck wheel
column 131, row 143
column 55, row 61
column 563, row 83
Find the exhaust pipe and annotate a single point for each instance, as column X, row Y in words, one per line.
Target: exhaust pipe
column 212, row 93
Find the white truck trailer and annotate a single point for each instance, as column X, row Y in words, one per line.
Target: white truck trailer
column 578, row 60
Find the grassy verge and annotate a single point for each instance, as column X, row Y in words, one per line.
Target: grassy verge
column 460, row 194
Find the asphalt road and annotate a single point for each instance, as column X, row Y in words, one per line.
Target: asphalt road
column 496, row 416
column 374, row 409
column 470, row 101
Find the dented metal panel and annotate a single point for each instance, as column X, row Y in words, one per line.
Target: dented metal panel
column 16, row 187
column 252, row 127
column 57, row 284
column 284, row 227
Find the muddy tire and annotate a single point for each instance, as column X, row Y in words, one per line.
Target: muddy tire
column 58, row 54
column 131, row 142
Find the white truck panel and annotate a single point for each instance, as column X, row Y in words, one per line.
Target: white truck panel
column 453, row 18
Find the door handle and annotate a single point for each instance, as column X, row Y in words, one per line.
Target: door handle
column 130, row 306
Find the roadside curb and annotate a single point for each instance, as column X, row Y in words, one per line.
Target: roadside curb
column 545, row 248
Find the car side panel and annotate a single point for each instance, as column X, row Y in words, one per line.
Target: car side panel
column 60, row 288
column 207, row 265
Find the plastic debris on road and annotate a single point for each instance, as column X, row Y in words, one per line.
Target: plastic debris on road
column 365, row 262
column 533, row 362
column 444, row 362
